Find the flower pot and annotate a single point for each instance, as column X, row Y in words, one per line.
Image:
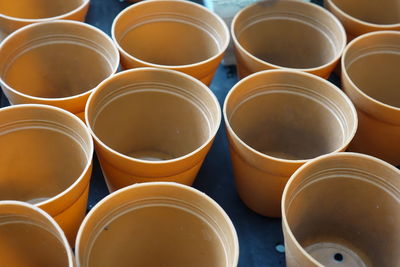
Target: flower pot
column 152, row 125
column 171, row 34
column 287, row 34
column 370, row 77
column 157, row 224
column 46, row 157
column 342, row 210
column 276, row 121
column 56, row 63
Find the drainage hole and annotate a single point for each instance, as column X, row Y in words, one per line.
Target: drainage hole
column 280, row 248
column 338, row 257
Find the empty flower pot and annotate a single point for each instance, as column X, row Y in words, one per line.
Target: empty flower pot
column 171, row 34
column 276, row 121
column 157, row 224
column 152, row 125
column 46, row 156
column 16, row 14
column 30, row 237
column 359, row 17
column 287, row 34
column 56, row 63
column 342, row 210
column 370, row 76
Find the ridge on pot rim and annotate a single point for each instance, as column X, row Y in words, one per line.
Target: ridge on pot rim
column 174, row 34
column 360, row 17
column 154, row 223
column 28, row 235
column 152, row 125
column 16, row 14
column 52, row 63
column 40, row 142
column 277, row 120
column 340, row 209
column 370, row 65
column 287, row 34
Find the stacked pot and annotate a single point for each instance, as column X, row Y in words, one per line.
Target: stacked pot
column 153, row 124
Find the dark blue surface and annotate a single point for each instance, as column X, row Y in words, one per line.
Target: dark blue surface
column 258, row 236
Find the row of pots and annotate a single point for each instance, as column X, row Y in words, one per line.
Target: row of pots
column 153, row 124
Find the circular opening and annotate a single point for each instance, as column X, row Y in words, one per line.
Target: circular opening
column 38, row 9
column 28, row 244
column 39, row 161
column 377, row 12
column 338, row 257
column 287, row 125
column 58, row 69
column 377, row 75
column 151, row 124
column 170, row 33
column 157, row 235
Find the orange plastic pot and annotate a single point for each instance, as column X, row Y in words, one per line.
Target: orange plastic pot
column 171, row 34
column 276, row 121
column 53, row 63
column 152, row 125
column 342, row 210
column 15, row 14
column 157, row 224
column 287, row 34
column 359, row 17
column 46, row 160
column 370, row 77
column 30, row 237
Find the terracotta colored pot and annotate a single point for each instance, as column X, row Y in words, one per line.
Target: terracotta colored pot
column 46, row 157
column 370, row 76
column 152, row 125
column 30, row 237
column 276, row 121
column 287, row 34
column 171, row 34
column 157, row 224
column 15, row 14
column 359, row 16
column 53, row 63
column 342, row 210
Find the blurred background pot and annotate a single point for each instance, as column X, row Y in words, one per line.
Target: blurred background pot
column 157, row 224
column 276, row 121
column 30, row 237
column 46, row 156
column 359, row 16
column 171, row 34
column 152, row 125
column 342, row 210
column 370, row 77
column 56, row 63
column 15, row 14
column 287, row 34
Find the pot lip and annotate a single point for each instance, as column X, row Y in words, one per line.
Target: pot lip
column 197, row 192
column 313, row 69
column 221, row 51
column 306, row 166
column 62, row 238
column 212, row 134
column 71, row 22
column 347, row 76
column 70, row 188
column 62, row 16
column 359, row 21
column 291, row 72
